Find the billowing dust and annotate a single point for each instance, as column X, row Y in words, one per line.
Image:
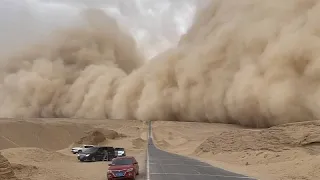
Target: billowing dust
column 253, row 63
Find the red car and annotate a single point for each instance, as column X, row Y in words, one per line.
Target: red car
column 125, row 167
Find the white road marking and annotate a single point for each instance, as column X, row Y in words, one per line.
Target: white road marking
column 173, row 159
column 192, row 160
column 197, row 171
column 182, row 165
column 148, row 166
column 181, row 174
column 148, row 159
column 211, row 175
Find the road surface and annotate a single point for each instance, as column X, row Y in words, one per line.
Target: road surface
column 162, row 165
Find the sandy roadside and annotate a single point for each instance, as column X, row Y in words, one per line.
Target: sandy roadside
column 280, row 153
column 41, row 148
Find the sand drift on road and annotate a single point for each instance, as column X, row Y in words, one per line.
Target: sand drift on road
column 253, row 63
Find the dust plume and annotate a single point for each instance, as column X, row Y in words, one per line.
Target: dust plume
column 71, row 75
column 253, row 63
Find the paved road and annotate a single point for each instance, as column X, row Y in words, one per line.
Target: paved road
column 168, row 166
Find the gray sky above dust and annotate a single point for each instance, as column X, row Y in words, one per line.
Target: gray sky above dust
column 156, row 25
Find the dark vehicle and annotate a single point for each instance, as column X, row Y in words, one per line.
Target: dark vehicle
column 123, row 168
column 97, row 153
column 120, row 152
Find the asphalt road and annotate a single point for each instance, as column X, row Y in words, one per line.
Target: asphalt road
column 167, row 166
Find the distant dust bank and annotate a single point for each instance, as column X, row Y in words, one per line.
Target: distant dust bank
column 253, row 63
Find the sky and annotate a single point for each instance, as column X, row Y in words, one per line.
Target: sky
column 156, row 25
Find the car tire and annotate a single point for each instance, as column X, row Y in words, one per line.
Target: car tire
column 93, row 159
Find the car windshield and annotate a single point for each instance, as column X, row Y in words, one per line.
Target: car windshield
column 119, row 149
column 89, row 150
column 122, row 161
column 87, row 146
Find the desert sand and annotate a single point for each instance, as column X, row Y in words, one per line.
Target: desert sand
column 39, row 149
column 284, row 152
column 250, row 63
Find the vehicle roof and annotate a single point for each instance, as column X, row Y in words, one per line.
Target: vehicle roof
column 125, row 157
column 101, row 147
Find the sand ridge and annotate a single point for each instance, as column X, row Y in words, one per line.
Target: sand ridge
column 6, row 171
column 36, row 159
column 284, row 152
column 278, row 138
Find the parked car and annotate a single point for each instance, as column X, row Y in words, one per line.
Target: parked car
column 76, row 150
column 120, row 152
column 123, row 168
column 111, row 153
column 96, row 153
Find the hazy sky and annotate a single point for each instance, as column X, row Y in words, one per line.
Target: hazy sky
column 155, row 24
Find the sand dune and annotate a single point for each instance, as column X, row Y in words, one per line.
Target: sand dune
column 40, row 148
column 284, row 152
column 25, row 172
column 6, row 171
column 46, row 135
column 276, row 139
column 35, row 155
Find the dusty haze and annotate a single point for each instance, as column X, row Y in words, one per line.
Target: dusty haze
column 253, row 63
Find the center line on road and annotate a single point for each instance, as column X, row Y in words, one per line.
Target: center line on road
column 211, row 175
column 160, row 162
column 196, row 171
column 148, row 159
column 172, row 159
column 148, row 166
column 181, row 165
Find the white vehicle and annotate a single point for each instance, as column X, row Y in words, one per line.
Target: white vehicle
column 76, row 150
column 120, row 152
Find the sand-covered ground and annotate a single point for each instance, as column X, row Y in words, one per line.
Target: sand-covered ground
column 286, row 152
column 39, row 149
column 251, row 63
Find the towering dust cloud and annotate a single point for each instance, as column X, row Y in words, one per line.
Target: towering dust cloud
column 254, row 63
column 73, row 75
